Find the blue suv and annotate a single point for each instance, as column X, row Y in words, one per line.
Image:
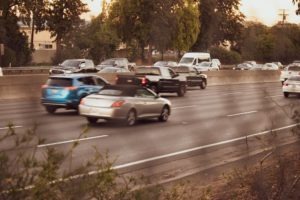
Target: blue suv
column 66, row 91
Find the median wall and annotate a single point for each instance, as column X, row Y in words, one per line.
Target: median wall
column 29, row 86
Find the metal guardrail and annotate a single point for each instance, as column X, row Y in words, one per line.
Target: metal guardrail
column 25, row 70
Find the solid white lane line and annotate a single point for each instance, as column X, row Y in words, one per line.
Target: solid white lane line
column 199, row 148
column 243, row 113
column 71, row 141
column 5, row 128
column 182, row 107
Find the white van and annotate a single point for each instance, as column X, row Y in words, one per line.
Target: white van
column 193, row 59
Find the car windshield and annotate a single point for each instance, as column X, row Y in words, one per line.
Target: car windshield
column 148, row 71
column 59, row 82
column 108, row 62
column 109, row 70
column 294, row 68
column 186, row 60
column 71, row 63
column 181, row 69
column 205, row 64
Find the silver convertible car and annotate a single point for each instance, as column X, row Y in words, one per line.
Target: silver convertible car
column 128, row 103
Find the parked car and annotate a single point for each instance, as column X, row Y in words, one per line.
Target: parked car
column 74, row 66
column 66, row 91
column 124, row 102
column 270, row 66
column 296, row 61
column 207, row 66
column 192, row 76
column 291, row 86
column 289, row 71
column 116, row 62
column 113, row 70
column 165, row 64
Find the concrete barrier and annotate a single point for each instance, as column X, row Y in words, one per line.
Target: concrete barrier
column 29, row 86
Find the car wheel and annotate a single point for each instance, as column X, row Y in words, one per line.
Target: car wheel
column 203, row 84
column 286, row 94
column 181, row 91
column 50, row 109
column 154, row 88
column 92, row 120
column 131, row 118
column 165, row 113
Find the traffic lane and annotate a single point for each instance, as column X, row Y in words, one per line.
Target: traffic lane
column 34, row 110
column 51, row 127
column 141, row 142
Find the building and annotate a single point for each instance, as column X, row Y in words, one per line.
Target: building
column 43, row 44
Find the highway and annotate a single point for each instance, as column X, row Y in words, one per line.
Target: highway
column 206, row 128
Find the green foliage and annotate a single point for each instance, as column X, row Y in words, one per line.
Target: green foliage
column 225, row 56
column 265, row 44
column 220, row 21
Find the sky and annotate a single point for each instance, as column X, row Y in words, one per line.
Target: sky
column 265, row 11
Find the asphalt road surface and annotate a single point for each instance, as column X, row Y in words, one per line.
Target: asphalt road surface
column 206, row 128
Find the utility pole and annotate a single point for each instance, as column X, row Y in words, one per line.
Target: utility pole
column 283, row 14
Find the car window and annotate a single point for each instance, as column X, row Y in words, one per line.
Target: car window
column 99, row 81
column 60, row 82
column 86, row 81
column 195, row 62
column 294, row 68
column 144, row 93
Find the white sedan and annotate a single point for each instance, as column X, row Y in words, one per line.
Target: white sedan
column 270, row 66
column 207, row 66
column 291, row 86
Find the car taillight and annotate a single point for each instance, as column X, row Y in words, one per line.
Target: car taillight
column 44, row 86
column 71, row 88
column 82, row 102
column 117, row 104
column 144, row 81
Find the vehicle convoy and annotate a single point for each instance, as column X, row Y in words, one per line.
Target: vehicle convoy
column 193, row 59
column 74, row 66
column 66, row 91
column 291, row 86
column 116, row 62
column 193, row 77
column 291, row 70
column 128, row 103
column 158, row 79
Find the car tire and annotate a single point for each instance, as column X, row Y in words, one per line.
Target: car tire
column 154, row 88
column 92, row 120
column 165, row 113
column 203, row 84
column 50, row 109
column 131, row 118
column 286, row 94
column 181, row 91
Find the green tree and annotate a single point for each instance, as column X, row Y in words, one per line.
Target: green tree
column 220, row 21
column 187, row 26
column 63, row 17
column 16, row 46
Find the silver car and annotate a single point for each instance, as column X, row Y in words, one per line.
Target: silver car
column 128, row 103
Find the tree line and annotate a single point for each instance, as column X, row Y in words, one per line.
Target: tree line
column 217, row 26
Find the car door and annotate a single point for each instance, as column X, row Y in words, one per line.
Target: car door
column 151, row 105
column 87, row 85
